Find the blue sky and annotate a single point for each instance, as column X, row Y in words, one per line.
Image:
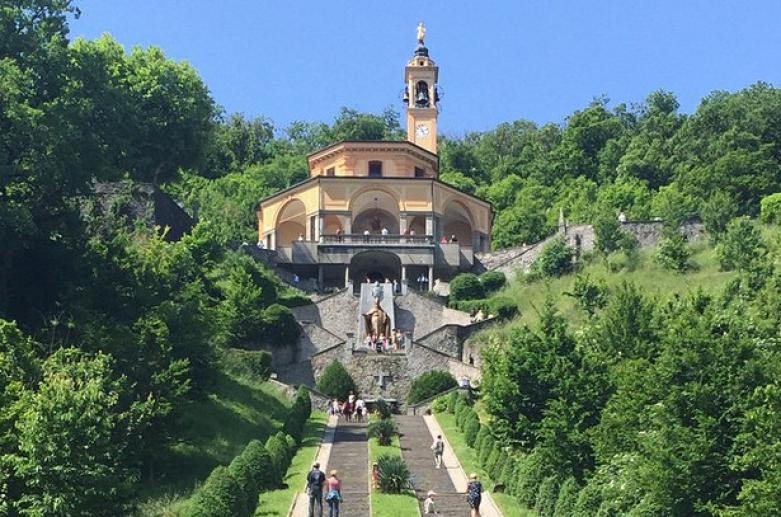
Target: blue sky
column 499, row 60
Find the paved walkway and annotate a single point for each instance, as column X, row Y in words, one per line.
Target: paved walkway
column 416, row 443
column 300, row 506
column 458, row 477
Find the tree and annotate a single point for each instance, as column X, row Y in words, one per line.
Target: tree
column 336, row 382
column 74, row 436
column 716, row 212
column 742, row 247
column 672, row 252
column 555, row 259
column 466, row 286
column 607, row 230
column 771, row 208
column 429, row 385
column 590, row 295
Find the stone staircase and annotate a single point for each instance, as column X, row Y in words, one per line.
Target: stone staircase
column 415, row 447
column 350, row 456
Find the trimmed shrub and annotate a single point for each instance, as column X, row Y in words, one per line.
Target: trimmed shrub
column 291, row 447
column 280, row 326
column 243, row 471
column 219, row 496
column 493, row 281
column 588, row 502
column 394, row 475
column 568, row 496
column 299, row 413
column 471, row 428
column 452, row 398
column 461, row 408
column 506, row 473
column 547, row 495
column 439, row 405
column 486, row 447
column 383, row 430
column 503, row 307
column 262, row 465
column 494, row 459
column 383, row 409
column 336, row 381
column 512, row 483
column 770, row 208
column 277, row 450
column 430, row 384
column 530, row 476
column 481, row 435
column 466, row 286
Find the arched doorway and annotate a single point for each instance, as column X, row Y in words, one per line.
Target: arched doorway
column 377, row 266
column 291, row 222
column 374, row 210
column 457, row 221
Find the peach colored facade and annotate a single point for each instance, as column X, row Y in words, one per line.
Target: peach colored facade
column 377, row 207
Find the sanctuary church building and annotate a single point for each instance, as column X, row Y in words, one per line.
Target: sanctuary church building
column 376, row 209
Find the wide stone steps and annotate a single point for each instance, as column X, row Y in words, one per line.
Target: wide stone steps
column 416, row 443
column 350, row 456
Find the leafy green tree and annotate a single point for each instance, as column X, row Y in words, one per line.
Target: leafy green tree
column 555, row 259
column 430, row 384
column 716, row 212
column 590, row 295
column 74, row 436
column 466, row 286
column 607, row 230
column 672, row 252
column 743, row 247
column 771, row 208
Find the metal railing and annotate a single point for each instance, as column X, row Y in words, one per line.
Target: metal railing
column 372, row 238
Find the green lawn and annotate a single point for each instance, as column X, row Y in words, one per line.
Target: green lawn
column 391, row 505
column 649, row 276
column 214, row 430
column 277, row 502
column 468, row 458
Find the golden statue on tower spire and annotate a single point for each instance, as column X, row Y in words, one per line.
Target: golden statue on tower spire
column 421, row 33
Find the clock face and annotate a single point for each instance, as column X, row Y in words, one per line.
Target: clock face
column 421, row 130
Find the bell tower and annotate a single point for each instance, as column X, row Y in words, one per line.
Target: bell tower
column 421, row 96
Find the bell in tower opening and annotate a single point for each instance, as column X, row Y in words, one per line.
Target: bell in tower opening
column 421, row 95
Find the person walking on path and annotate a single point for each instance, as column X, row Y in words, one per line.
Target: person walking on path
column 334, row 496
column 474, row 494
column 429, row 506
column 314, row 488
column 439, row 448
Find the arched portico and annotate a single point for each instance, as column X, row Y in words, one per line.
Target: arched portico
column 457, row 221
column 291, row 222
column 374, row 209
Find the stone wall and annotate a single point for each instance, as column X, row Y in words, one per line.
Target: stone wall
column 338, row 314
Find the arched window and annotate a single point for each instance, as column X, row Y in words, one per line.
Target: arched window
column 375, row 169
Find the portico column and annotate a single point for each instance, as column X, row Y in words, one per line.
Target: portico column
column 430, row 278
column 273, row 245
column 320, row 277
column 320, row 227
column 403, row 224
column 430, row 225
column 347, row 275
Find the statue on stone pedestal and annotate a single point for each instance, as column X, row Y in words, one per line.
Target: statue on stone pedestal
column 421, row 33
column 376, row 321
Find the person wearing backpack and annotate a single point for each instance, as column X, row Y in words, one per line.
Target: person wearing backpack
column 314, row 488
column 474, row 494
column 439, row 448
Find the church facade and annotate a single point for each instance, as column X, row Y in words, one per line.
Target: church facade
column 376, row 209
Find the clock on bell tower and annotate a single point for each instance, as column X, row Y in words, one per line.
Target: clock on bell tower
column 422, row 96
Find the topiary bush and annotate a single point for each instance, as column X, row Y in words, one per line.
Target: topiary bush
column 481, row 435
column 494, row 459
column 493, row 281
column 383, row 430
column 394, row 475
column 588, row 501
column 530, row 476
column 568, row 496
column 547, row 494
column 452, row 398
column 429, row 384
column 336, row 382
column 280, row 326
column 471, row 428
column 262, row 465
column 506, row 473
column 243, row 471
column 278, row 451
column 299, row 414
column 466, row 286
column 486, row 447
column 439, row 405
column 461, row 407
column 219, row 496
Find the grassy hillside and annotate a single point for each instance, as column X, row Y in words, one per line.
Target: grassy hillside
column 238, row 409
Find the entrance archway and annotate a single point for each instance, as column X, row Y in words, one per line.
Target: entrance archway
column 377, row 266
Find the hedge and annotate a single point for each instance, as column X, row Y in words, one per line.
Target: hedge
column 430, row 384
column 545, row 505
column 278, row 450
column 466, row 286
column 568, row 496
column 452, row 398
column 219, row 496
column 299, row 414
column 471, row 428
column 493, row 281
column 280, row 326
column 770, row 211
column 244, row 472
column 262, row 465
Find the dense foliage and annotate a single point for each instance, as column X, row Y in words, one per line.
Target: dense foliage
column 430, row 384
column 336, row 381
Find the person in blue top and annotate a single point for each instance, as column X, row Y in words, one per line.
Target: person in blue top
column 474, row 494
